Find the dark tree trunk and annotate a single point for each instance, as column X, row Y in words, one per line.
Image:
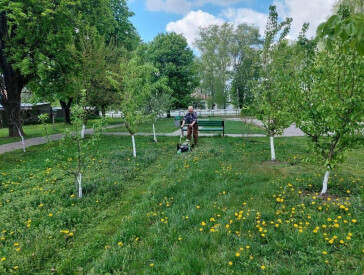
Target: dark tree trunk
column 13, row 82
column 103, row 111
column 169, row 113
column 13, row 110
column 66, row 107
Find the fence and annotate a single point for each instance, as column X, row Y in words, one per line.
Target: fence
column 200, row 113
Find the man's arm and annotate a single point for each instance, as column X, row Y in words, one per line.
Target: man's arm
column 183, row 123
column 194, row 120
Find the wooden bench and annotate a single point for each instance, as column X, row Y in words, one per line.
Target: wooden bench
column 208, row 125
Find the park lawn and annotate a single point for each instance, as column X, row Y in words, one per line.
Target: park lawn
column 164, row 125
column 37, row 130
column 222, row 208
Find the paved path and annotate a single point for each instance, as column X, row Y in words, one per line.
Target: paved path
column 39, row 140
column 291, row 131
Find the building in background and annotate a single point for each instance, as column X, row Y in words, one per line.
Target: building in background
column 29, row 113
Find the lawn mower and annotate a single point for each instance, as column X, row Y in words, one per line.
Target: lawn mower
column 185, row 146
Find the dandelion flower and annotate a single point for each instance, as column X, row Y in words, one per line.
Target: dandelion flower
column 230, row 263
column 262, row 267
column 237, row 254
column 324, row 252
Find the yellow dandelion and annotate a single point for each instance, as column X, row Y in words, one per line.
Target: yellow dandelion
column 237, row 254
column 324, row 252
column 3, row 259
column 262, row 267
column 230, row 263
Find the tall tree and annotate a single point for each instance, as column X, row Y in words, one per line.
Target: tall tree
column 170, row 54
column 245, row 53
column 270, row 102
column 216, row 44
column 27, row 31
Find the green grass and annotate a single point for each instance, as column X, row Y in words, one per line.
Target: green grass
column 167, row 126
column 167, row 213
column 37, row 130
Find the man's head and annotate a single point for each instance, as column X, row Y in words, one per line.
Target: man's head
column 190, row 109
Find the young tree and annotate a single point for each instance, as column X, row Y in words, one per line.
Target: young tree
column 270, row 102
column 159, row 100
column 328, row 96
column 134, row 86
column 73, row 153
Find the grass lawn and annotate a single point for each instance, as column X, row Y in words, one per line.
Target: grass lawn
column 37, row 130
column 166, row 125
column 223, row 208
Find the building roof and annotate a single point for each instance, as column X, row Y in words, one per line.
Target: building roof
column 29, row 105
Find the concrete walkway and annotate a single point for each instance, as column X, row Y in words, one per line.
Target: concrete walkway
column 291, row 131
column 40, row 140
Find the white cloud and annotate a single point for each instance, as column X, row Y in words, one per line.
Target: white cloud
column 312, row 11
column 184, row 6
column 251, row 17
column 189, row 25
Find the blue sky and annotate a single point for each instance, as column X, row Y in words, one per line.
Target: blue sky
column 186, row 16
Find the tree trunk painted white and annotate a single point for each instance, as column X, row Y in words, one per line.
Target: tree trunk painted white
column 79, row 180
column 155, row 137
column 53, row 121
column 83, row 131
column 324, row 184
column 22, row 140
column 134, row 150
column 273, row 152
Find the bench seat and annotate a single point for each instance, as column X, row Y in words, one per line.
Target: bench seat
column 209, row 125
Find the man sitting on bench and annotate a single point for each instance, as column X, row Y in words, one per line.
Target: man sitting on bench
column 191, row 119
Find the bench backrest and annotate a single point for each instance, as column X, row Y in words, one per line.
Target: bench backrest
column 210, row 123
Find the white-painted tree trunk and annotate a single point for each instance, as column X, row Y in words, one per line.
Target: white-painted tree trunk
column 53, row 120
column 324, row 184
column 155, row 137
column 272, row 150
column 83, row 131
column 79, row 180
column 134, row 150
column 22, row 140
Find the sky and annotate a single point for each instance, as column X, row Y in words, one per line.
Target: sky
column 186, row 16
